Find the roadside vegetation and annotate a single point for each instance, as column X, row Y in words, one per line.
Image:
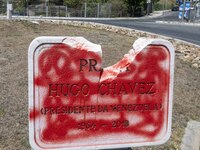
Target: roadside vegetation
column 121, row 8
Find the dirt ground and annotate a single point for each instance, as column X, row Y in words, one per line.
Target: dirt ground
column 15, row 37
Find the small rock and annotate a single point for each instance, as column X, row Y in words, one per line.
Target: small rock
column 177, row 51
column 187, row 51
column 195, row 65
column 194, row 55
column 197, row 59
column 3, row 61
column 35, row 22
column 188, row 58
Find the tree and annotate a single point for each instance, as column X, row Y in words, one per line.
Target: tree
column 72, row 3
column 132, row 4
column 76, row 3
column 56, row 2
column 118, row 8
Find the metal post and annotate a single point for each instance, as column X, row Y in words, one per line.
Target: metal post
column 165, row 4
column 85, row 14
column 59, row 11
column 98, row 10
column 163, row 7
column 35, row 13
column 26, row 9
column 47, row 7
column 183, row 11
column 66, row 13
column 9, row 10
column 195, row 11
column 110, row 10
column 2, row 9
column 147, row 2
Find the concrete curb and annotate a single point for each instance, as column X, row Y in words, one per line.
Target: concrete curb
column 191, row 139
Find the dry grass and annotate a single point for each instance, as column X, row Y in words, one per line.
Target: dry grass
column 15, row 38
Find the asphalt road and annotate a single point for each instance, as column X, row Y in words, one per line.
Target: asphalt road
column 183, row 32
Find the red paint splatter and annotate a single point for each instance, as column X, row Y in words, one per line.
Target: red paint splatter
column 34, row 114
